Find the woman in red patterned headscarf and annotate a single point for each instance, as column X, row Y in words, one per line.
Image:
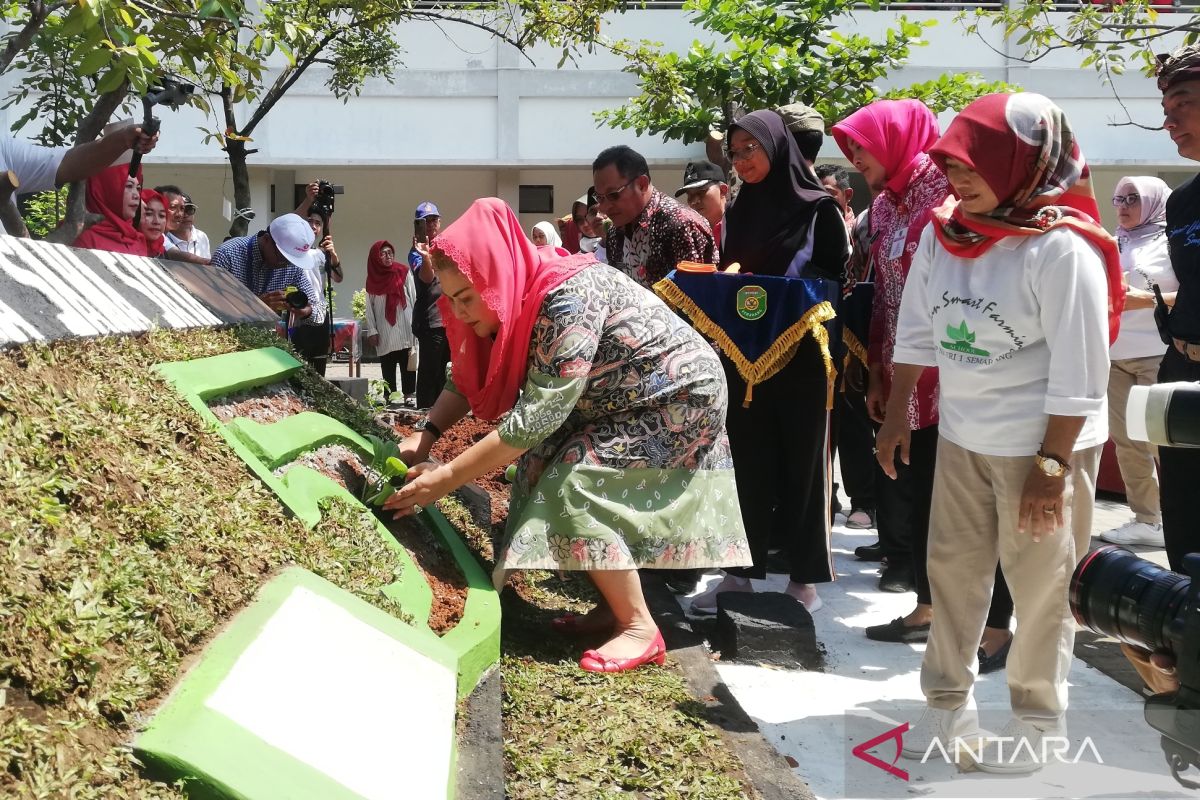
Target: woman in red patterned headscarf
column 614, row 407
column 1013, row 295
column 115, row 194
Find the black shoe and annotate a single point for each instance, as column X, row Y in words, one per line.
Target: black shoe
column 898, row 578
column 869, row 552
column 682, row 581
column 996, row 661
column 897, row 631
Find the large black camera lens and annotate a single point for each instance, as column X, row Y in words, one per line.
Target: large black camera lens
column 1129, row 598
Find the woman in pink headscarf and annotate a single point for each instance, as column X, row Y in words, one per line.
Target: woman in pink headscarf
column 115, row 194
column 614, row 407
column 887, row 142
column 152, row 221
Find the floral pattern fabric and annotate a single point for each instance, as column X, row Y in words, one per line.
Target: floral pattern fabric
column 624, row 415
column 896, row 226
column 665, row 233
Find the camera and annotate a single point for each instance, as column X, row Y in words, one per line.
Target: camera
column 1165, row 414
column 1118, row 594
column 296, row 298
column 326, row 192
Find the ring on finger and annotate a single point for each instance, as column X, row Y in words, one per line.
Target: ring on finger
column 1048, row 511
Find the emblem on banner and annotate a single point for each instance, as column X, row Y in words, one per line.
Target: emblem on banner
column 751, row 302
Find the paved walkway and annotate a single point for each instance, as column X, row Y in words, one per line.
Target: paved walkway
column 868, row 688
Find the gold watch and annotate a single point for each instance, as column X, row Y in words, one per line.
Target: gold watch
column 1051, row 466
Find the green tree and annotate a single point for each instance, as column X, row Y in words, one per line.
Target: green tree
column 775, row 53
column 1108, row 38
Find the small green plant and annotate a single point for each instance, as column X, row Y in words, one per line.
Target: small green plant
column 358, row 304
column 43, row 211
column 385, row 473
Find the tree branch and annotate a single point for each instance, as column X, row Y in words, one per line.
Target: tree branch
column 17, row 42
column 284, row 82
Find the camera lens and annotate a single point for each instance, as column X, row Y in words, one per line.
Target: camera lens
column 1128, row 598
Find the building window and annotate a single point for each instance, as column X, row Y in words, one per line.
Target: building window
column 536, row 200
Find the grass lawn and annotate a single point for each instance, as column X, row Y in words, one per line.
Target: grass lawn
column 129, row 533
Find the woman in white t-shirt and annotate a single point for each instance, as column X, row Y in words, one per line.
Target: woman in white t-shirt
column 1137, row 353
column 1014, row 295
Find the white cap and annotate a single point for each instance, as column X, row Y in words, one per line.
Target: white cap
column 293, row 236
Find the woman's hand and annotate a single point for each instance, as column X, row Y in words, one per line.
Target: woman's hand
column 412, row 449
column 893, row 434
column 876, row 401
column 1041, row 509
column 1138, row 299
column 373, row 340
column 426, row 484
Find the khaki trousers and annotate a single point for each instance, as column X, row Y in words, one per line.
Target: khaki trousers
column 974, row 522
column 1136, row 459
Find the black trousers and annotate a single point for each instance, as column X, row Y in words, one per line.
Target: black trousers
column 903, row 507
column 854, row 440
column 781, row 465
column 312, row 342
column 388, row 362
column 1178, row 472
column 431, row 368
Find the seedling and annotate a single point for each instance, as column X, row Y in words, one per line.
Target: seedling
column 385, row 474
column 510, row 473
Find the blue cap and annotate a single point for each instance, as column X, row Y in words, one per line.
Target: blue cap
column 427, row 210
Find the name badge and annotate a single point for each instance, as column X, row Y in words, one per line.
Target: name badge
column 898, row 241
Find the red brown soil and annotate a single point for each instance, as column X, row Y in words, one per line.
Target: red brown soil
column 264, row 404
column 466, row 433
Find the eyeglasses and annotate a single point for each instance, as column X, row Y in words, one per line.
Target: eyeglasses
column 615, row 195
column 1126, row 199
column 189, row 208
column 743, row 154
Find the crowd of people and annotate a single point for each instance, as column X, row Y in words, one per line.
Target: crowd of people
column 990, row 330
column 966, row 345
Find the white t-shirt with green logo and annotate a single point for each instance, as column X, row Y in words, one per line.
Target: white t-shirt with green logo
column 1017, row 334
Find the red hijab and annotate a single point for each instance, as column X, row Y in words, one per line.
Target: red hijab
column 158, row 246
column 387, row 280
column 105, row 194
column 1023, row 148
column 894, row 132
column 490, row 248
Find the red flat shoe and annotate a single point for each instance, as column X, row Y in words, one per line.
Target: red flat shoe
column 656, row 653
column 573, row 625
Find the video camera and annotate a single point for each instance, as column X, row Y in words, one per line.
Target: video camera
column 1118, row 594
column 323, row 204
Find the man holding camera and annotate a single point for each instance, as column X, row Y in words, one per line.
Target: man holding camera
column 271, row 261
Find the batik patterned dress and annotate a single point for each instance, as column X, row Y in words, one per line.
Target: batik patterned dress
column 623, row 410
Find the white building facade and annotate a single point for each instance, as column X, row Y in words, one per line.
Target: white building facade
column 469, row 117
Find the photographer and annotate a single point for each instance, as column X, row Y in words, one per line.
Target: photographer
column 272, row 260
column 312, row 339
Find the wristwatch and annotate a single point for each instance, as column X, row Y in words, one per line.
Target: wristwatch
column 1051, row 466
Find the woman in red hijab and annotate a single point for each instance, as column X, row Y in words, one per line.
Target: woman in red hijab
column 391, row 292
column 1013, row 295
column 614, row 406
column 152, row 221
column 115, row 194
column 887, row 141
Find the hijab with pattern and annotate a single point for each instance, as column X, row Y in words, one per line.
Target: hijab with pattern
column 770, row 220
column 1022, row 146
column 513, row 277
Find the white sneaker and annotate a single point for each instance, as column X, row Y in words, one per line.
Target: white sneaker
column 1018, row 749
column 944, row 726
column 1135, row 532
